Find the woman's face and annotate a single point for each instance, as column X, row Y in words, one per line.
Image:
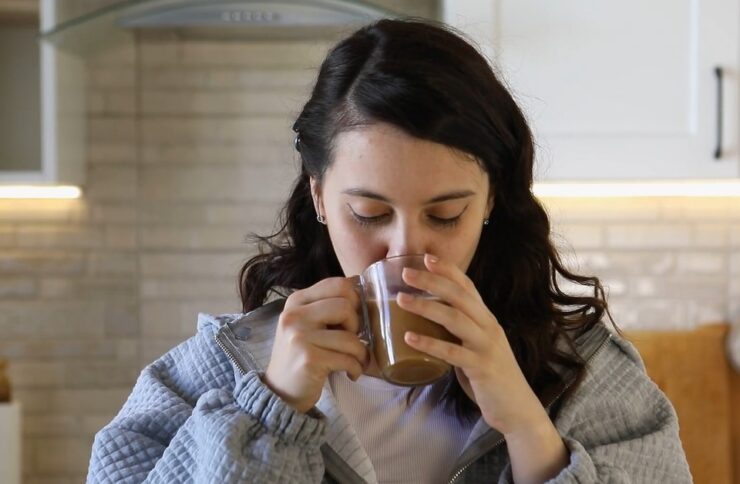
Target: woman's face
column 420, row 197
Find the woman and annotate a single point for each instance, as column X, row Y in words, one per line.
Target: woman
column 409, row 144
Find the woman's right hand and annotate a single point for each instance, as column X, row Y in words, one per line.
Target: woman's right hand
column 317, row 333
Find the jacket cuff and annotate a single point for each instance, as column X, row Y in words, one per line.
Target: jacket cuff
column 580, row 467
column 279, row 418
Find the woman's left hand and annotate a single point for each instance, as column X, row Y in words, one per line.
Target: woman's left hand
column 484, row 361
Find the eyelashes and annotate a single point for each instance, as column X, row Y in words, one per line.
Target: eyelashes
column 370, row 221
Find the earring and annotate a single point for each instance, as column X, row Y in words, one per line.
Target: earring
column 321, row 219
column 485, row 222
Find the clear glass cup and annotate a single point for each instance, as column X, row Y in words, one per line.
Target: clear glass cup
column 384, row 323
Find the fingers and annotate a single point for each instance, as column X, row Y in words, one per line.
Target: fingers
column 335, row 312
column 340, row 342
column 325, row 289
column 449, row 283
column 451, row 271
column 439, row 312
column 332, row 361
column 442, row 287
column 453, row 354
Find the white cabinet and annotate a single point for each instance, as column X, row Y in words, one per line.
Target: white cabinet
column 618, row 90
column 63, row 108
column 10, row 443
column 45, row 89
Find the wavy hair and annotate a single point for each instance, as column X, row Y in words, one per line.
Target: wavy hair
column 426, row 79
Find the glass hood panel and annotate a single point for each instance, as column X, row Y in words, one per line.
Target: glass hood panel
column 83, row 29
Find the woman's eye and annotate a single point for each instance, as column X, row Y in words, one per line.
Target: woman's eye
column 446, row 222
column 368, row 221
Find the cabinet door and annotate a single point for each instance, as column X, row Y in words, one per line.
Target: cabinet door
column 20, row 137
column 45, row 144
column 617, row 90
column 63, row 108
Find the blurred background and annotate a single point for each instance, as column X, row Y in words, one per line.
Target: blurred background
column 141, row 141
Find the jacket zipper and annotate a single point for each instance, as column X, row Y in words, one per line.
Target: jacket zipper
column 547, row 408
column 230, row 355
column 462, row 469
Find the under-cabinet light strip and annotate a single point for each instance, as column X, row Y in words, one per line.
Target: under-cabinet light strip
column 703, row 188
column 543, row 189
column 36, row 191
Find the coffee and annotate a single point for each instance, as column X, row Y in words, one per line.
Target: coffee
column 398, row 362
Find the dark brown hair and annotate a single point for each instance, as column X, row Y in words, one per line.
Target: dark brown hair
column 426, row 79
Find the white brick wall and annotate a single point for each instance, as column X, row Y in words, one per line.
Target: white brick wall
column 192, row 152
column 668, row 263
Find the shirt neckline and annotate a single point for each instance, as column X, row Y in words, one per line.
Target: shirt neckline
column 372, row 383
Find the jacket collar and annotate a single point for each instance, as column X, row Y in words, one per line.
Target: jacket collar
column 247, row 340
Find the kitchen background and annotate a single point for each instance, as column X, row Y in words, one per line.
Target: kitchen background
column 189, row 148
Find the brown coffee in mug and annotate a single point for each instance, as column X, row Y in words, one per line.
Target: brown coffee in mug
column 386, row 323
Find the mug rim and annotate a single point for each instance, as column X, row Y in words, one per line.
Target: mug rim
column 396, row 257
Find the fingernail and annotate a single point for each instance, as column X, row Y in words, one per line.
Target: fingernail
column 432, row 259
column 412, row 337
column 405, row 297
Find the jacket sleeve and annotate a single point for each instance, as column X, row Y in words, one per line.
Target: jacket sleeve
column 187, row 420
column 620, row 427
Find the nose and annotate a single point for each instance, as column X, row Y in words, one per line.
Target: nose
column 407, row 238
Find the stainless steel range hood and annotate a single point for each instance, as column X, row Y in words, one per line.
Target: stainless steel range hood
column 246, row 13
column 213, row 19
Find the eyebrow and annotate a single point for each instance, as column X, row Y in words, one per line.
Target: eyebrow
column 361, row 192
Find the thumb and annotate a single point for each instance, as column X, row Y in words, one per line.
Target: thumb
column 464, row 382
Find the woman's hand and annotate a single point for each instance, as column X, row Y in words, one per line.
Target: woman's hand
column 316, row 335
column 486, row 369
column 484, row 361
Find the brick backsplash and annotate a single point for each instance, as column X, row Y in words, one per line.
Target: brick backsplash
column 667, row 262
column 190, row 148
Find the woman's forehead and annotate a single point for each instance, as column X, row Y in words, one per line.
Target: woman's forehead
column 438, row 198
column 383, row 156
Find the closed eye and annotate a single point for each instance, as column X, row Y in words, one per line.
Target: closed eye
column 369, row 221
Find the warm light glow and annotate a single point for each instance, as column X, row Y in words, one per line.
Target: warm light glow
column 37, row 191
column 699, row 188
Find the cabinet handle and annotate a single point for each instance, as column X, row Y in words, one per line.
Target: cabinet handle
column 718, row 149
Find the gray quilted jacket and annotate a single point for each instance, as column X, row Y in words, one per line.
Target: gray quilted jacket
column 201, row 414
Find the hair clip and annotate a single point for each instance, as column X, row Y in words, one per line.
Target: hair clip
column 297, row 142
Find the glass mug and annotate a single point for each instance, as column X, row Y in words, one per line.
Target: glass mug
column 383, row 323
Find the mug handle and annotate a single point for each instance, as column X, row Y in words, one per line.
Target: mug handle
column 364, row 334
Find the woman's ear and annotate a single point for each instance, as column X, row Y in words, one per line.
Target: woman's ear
column 315, row 194
column 489, row 206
